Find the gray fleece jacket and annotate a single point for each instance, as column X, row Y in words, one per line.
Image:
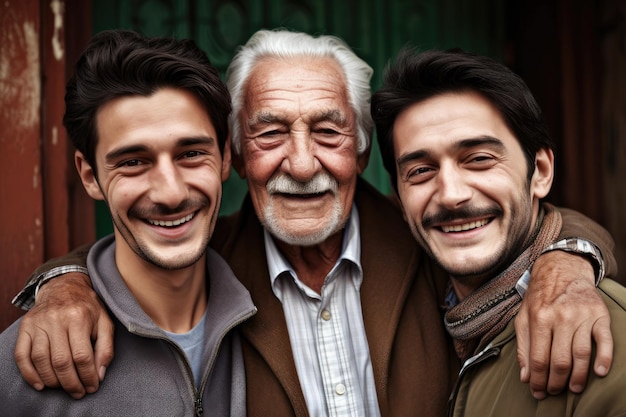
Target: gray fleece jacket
column 150, row 375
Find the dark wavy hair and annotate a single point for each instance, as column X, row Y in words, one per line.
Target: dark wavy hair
column 119, row 63
column 415, row 77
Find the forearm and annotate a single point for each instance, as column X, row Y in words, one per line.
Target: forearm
column 75, row 261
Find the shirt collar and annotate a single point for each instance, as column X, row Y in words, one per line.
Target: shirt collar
column 350, row 251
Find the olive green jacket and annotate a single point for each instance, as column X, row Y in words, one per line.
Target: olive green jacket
column 489, row 383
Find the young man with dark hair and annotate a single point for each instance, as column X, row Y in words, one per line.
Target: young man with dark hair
column 470, row 158
column 148, row 118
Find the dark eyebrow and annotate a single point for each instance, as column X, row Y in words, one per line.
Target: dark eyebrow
column 462, row 144
column 122, row 151
column 481, row 141
column 197, row 140
column 133, row 149
column 411, row 156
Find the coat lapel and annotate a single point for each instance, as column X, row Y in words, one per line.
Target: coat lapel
column 267, row 330
column 389, row 256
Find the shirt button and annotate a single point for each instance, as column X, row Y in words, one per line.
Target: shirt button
column 340, row 389
column 326, row 315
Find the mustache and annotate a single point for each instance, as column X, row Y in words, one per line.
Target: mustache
column 464, row 213
column 157, row 210
column 285, row 184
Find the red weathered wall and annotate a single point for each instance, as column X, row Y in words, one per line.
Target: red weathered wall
column 44, row 210
column 21, row 195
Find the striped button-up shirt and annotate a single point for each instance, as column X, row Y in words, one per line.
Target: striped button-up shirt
column 326, row 331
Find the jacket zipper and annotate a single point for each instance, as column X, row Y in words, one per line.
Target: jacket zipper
column 196, row 393
column 485, row 354
column 198, row 401
column 198, row 406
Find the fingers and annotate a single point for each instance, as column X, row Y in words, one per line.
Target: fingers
column 83, row 371
column 23, row 360
column 539, row 359
column 37, row 357
column 560, row 357
column 559, row 316
column 68, row 347
column 54, row 339
column 45, row 358
column 601, row 333
column 103, row 349
column 581, row 354
column 523, row 344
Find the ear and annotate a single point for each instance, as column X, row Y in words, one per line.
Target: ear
column 541, row 181
column 87, row 176
column 226, row 160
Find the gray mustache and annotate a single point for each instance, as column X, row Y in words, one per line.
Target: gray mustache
column 285, row 184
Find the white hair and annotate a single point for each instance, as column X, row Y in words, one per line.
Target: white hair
column 282, row 43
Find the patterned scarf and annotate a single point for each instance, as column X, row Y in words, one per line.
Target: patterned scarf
column 475, row 321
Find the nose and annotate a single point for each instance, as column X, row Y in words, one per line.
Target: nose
column 301, row 162
column 452, row 187
column 167, row 185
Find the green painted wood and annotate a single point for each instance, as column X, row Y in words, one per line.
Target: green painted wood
column 375, row 29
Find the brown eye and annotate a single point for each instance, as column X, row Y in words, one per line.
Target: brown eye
column 192, row 154
column 419, row 171
column 130, row 163
column 419, row 174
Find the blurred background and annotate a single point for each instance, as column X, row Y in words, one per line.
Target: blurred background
column 571, row 53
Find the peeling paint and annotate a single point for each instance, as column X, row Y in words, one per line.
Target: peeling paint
column 31, row 76
column 58, row 8
column 36, row 177
column 20, row 84
column 55, row 136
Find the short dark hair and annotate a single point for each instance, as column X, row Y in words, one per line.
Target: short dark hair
column 415, row 77
column 119, row 63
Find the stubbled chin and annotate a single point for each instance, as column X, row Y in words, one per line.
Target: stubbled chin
column 175, row 258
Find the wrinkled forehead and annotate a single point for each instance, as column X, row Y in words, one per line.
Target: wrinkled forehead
column 312, row 86
column 299, row 75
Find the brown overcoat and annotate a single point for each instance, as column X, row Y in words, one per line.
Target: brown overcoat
column 409, row 349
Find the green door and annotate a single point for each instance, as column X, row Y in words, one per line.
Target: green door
column 375, row 29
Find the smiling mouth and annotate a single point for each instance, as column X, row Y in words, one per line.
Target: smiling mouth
column 171, row 223
column 303, row 196
column 465, row 226
column 308, row 195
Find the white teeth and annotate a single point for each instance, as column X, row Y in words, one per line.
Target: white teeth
column 170, row 223
column 464, row 227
